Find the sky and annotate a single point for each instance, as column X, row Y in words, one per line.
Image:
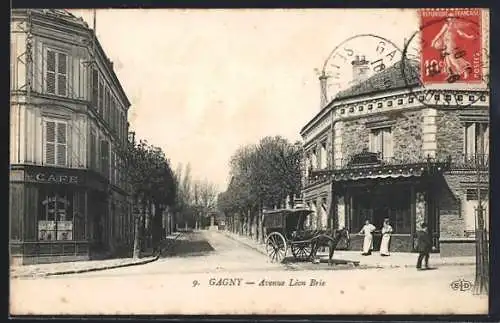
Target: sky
column 204, row 82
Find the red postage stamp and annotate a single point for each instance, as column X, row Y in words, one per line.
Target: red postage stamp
column 451, row 46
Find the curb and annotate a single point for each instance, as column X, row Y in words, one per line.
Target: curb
column 87, row 270
column 360, row 266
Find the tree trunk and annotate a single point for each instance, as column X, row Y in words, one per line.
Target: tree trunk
column 157, row 227
column 142, row 228
column 261, row 216
column 137, row 231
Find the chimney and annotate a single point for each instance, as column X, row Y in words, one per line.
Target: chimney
column 323, row 94
column 360, row 69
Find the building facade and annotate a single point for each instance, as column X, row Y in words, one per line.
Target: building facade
column 378, row 152
column 68, row 124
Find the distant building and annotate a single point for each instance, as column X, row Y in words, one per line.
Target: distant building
column 375, row 152
column 68, row 124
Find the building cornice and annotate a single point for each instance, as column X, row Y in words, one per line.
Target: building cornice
column 361, row 106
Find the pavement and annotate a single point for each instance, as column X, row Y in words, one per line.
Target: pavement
column 395, row 260
column 207, row 272
column 77, row 267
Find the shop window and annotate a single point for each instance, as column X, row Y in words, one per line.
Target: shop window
column 401, row 221
column 79, row 210
column 381, row 142
column 55, row 219
column 56, row 73
column 55, row 152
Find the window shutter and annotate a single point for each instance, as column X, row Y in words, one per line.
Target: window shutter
column 50, row 142
column 471, row 140
column 92, row 151
column 113, row 116
column 111, row 179
column 371, row 142
column 100, row 103
column 486, row 139
column 105, row 157
column 61, row 144
column 387, row 142
column 62, row 74
column 50, row 77
column 95, row 87
column 106, row 105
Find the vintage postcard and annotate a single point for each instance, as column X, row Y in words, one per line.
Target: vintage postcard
column 249, row 161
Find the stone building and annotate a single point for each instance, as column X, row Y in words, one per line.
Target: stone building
column 378, row 152
column 68, row 124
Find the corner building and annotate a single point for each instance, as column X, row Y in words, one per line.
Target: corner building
column 68, row 124
column 378, row 152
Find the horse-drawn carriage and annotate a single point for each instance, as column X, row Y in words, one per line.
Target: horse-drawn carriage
column 285, row 228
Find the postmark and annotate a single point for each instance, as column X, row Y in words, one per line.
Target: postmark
column 445, row 62
column 355, row 61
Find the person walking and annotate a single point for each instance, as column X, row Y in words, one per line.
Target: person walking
column 386, row 238
column 367, row 230
column 424, row 246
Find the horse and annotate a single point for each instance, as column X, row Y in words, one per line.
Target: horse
column 328, row 239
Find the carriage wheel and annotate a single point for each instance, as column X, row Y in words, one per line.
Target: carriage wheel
column 276, row 247
column 301, row 251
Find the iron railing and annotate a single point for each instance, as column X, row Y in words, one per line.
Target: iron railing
column 366, row 159
column 471, row 161
column 369, row 160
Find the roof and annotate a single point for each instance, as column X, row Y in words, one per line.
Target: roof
column 391, row 78
column 62, row 14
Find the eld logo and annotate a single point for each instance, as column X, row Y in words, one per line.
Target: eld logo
column 461, row 285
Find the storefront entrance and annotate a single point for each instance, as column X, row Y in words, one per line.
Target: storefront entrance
column 378, row 202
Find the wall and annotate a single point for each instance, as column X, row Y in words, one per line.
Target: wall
column 406, row 132
column 450, row 135
column 452, row 223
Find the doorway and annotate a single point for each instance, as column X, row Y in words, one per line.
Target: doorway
column 381, row 202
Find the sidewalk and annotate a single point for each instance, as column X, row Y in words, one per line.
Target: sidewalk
column 53, row 269
column 396, row 260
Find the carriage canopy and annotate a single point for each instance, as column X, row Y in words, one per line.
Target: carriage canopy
column 288, row 219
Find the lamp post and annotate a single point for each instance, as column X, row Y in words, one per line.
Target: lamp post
column 482, row 255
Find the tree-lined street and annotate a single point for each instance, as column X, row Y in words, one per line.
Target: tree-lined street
column 179, row 283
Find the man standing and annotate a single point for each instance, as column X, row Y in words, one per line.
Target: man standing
column 424, row 246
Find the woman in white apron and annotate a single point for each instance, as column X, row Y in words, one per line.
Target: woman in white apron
column 386, row 238
column 367, row 230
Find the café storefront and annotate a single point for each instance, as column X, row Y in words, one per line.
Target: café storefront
column 406, row 193
column 56, row 214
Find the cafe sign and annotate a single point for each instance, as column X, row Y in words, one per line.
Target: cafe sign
column 55, row 177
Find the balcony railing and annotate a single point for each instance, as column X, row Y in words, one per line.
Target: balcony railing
column 367, row 160
column 471, row 161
